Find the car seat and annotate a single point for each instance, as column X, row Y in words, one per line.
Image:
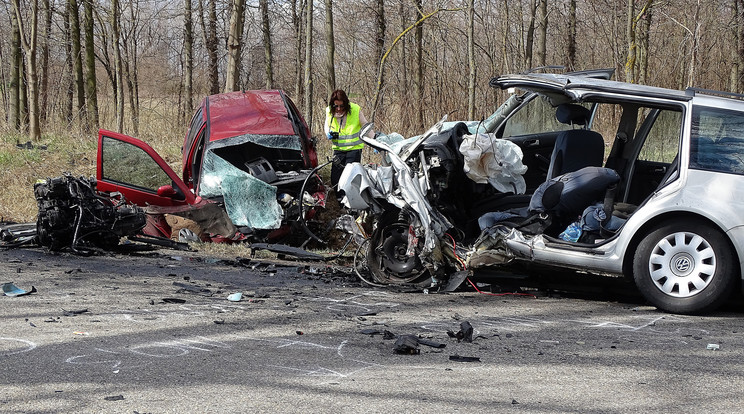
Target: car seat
column 557, row 202
column 575, row 148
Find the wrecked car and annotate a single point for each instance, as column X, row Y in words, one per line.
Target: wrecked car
column 665, row 200
column 247, row 171
column 640, row 181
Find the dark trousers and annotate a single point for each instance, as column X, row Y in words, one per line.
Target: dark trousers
column 340, row 159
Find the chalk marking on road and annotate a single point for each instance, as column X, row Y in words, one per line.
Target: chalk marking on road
column 353, row 302
column 182, row 310
column 182, row 347
column 283, row 343
column 29, row 346
column 177, row 348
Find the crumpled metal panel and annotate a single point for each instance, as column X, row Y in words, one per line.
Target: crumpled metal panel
column 248, row 200
column 495, row 161
column 257, row 112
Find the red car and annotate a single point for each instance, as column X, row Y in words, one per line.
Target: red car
column 246, row 157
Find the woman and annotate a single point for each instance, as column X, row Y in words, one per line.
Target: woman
column 344, row 121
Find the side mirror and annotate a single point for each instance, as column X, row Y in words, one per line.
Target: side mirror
column 167, row 191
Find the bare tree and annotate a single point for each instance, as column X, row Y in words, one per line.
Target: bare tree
column 234, row 47
column 90, row 66
column 571, row 38
column 645, row 34
column 29, row 46
column 530, row 35
column 308, row 109
column 542, row 32
column 268, row 55
column 471, row 59
column 298, row 36
column 631, row 63
column 188, row 46
column 118, row 66
column 73, row 15
column 380, row 42
column 44, row 57
column 330, row 48
column 738, row 68
column 209, row 32
column 130, row 40
column 418, row 68
column 16, row 79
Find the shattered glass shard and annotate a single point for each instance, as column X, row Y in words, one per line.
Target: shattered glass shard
column 248, row 200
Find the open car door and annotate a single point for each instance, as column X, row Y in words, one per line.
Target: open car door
column 133, row 168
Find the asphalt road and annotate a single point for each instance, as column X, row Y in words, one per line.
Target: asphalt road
column 155, row 333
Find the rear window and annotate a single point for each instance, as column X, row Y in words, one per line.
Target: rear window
column 717, row 140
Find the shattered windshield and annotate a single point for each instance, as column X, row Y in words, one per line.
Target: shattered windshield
column 291, row 142
column 248, row 200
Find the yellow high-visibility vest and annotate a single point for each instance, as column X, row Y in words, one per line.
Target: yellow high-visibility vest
column 348, row 136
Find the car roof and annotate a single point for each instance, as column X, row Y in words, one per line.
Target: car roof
column 254, row 112
column 549, row 83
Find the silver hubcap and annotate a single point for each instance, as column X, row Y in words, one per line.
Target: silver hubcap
column 682, row 264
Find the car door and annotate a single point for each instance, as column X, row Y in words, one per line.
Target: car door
column 134, row 169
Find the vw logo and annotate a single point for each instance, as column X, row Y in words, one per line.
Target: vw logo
column 683, row 264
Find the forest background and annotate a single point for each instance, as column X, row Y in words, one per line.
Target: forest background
column 140, row 67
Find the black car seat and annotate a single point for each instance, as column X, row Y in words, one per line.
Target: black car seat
column 575, row 148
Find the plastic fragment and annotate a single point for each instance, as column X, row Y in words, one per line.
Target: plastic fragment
column 713, row 347
column 9, row 289
column 235, row 297
column 407, row 345
column 458, row 358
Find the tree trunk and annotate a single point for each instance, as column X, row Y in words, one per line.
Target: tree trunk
column 268, row 55
column 188, row 45
column 299, row 63
column 331, row 49
column 209, row 32
column 90, row 67
column 29, row 47
column 130, row 42
column 234, row 38
column 571, row 41
column 643, row 44
column 691, row 78
column 118, row 67
column 471, row 59
column 16, row 80
column 380, row 28
column 44, row 64
column 418, row 65
column 739, row 10
column 73, row 14
column 630, row 75
column 542, row 33
column 309, row 63
column 70, row 68
column 379, row 54
column 530, row 37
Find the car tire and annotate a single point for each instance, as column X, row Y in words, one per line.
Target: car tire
column 685, row 267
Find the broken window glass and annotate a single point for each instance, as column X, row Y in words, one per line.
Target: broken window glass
column 128, row 164
column 248, row 200
column 272, row 141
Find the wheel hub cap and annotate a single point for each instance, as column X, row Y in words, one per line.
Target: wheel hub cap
column 682, row 264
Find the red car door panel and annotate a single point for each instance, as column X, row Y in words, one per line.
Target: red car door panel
column 133, row 168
